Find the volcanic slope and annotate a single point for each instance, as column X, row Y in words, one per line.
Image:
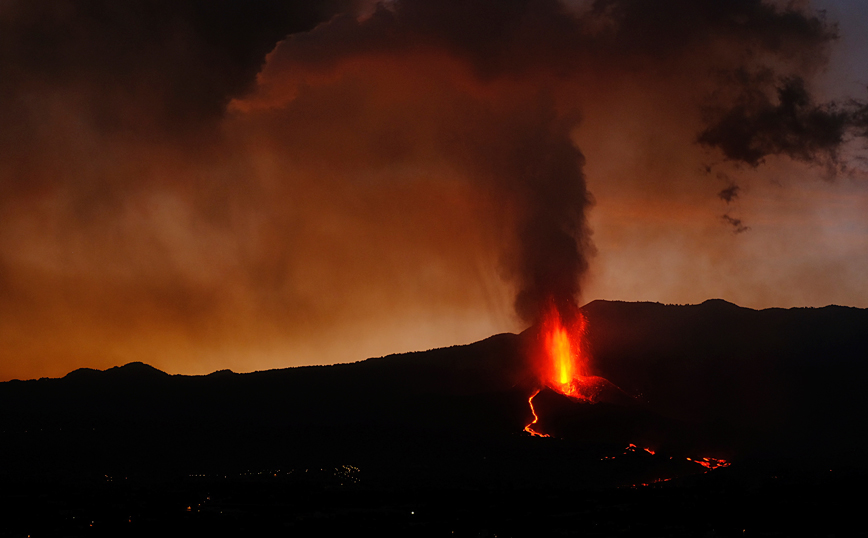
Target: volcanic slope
column 767, row 383
column 700, row 380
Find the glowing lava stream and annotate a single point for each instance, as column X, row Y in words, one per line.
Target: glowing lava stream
column 528, row 428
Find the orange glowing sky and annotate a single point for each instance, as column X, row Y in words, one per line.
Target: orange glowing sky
column 203, row 186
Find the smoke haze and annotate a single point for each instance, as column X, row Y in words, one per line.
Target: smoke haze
column 206, row 185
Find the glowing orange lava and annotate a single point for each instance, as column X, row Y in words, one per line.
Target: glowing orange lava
column 564, row 357
column 558, row 345
column 711, row 463
column 529, row 429
column 562, row 361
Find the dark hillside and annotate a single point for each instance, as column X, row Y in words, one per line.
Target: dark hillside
column 431, row 442
column 789, row 377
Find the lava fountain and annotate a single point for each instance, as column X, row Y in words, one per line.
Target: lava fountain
column 564, row 360
column 561, row 361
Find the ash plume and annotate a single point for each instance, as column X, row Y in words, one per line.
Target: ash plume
column 554, row 239
column 538, row 169
column 519, row 148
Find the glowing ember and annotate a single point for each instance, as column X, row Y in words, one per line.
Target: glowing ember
column 633, row 448
column 711, row 463
column 651, row 483
column 529, row 428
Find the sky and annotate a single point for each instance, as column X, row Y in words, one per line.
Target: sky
column 203, row 185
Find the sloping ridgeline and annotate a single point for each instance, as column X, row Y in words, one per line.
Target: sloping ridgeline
column 790, row 381
column 744, row 383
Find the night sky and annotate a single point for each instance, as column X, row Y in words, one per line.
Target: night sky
column 209, row 184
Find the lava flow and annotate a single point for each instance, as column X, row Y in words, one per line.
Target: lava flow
column 529, row 428
column 711, row 463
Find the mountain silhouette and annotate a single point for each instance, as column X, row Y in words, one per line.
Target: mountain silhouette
column 680, row 393
column 708, row 379
column 787, row 380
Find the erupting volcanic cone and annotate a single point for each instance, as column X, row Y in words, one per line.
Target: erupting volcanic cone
column 560, row 358
column 596, row 389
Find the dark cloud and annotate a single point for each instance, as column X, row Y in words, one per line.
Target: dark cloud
column 142, row 69
column 730, row 193
column 81, row 76
column 737, row 225
column 521, row 37
column 784, row 122
column 674, row 28
column 859, row 117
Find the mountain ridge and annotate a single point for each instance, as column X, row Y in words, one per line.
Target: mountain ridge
column 720, row 305
column 774, row 383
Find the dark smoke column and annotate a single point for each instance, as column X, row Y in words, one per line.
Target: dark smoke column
column 554, row 242
column 520, row 149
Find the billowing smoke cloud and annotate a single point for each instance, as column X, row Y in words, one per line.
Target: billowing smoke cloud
column 790, row 123
column 504, row 45
column 174, row 63
column 176, row 172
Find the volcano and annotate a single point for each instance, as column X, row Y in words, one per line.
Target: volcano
column 672, row 396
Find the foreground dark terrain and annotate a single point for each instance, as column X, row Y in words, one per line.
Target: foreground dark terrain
column 431, row 443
